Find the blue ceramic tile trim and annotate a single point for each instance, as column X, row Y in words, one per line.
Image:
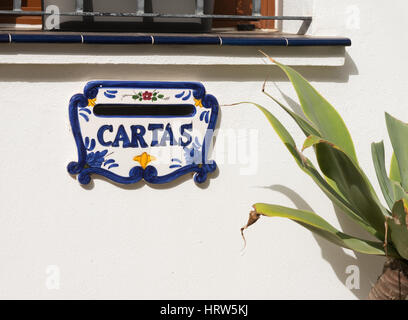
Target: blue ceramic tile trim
column 319, row 42
column 4, row 38
column 233, row 41
column 45, row 38
column 101, row 39
column 177, row 39
column 186, row 40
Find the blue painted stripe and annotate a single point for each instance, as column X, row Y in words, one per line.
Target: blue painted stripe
column 46, row 38
column 101, row 39
column 319, row 42
column 4, row 38
column 177, row 39
column 186, row 40
column 248, row 41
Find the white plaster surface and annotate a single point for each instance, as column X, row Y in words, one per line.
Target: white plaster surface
column 18, row 53
column 183, row 241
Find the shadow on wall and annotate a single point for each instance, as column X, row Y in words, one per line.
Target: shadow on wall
column 148, row 50
column 136, row 186
column 370, row 266
column 86, row 72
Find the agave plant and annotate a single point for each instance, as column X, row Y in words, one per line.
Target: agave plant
column 340, row 177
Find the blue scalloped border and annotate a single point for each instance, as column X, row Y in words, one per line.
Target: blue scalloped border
column 149, row 174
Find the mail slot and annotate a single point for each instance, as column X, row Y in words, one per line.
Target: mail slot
column 144, row 110
column 127, row 131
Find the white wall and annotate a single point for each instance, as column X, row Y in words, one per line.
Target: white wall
column 183, row 241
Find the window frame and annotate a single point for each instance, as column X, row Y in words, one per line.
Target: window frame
column 269, row 8
column 244, row 7
column 16, row 20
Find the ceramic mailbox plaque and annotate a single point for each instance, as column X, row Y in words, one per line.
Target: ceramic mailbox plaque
column 127, row 131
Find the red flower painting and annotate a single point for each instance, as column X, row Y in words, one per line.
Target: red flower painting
column 147, row 95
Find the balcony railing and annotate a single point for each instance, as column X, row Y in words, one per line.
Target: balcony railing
column 199, row 13
column 112, row 31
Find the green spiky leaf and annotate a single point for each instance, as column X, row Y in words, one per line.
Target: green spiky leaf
column 394, row 170
column 320, row 112
column 318, row 225
column 303, row 124
column 398, row 132
column 378, row 155
column 398, row 226
column 352, row 183
column 307, row 166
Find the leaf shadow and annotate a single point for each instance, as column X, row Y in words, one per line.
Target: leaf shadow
column 369, row 266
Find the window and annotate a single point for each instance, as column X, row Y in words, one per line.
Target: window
column 184, row 16
column 158, row 15
column 15, row 20
column 243, row 7
column 192, row 19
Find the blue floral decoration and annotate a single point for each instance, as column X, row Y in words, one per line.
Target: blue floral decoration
column 95, row 159
column 110, row 163
column 205, row 115
column 84, row 113
column 111, row 94
column 176, row 163
column 183, row 96
column 89, row 144
column 193, row 155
